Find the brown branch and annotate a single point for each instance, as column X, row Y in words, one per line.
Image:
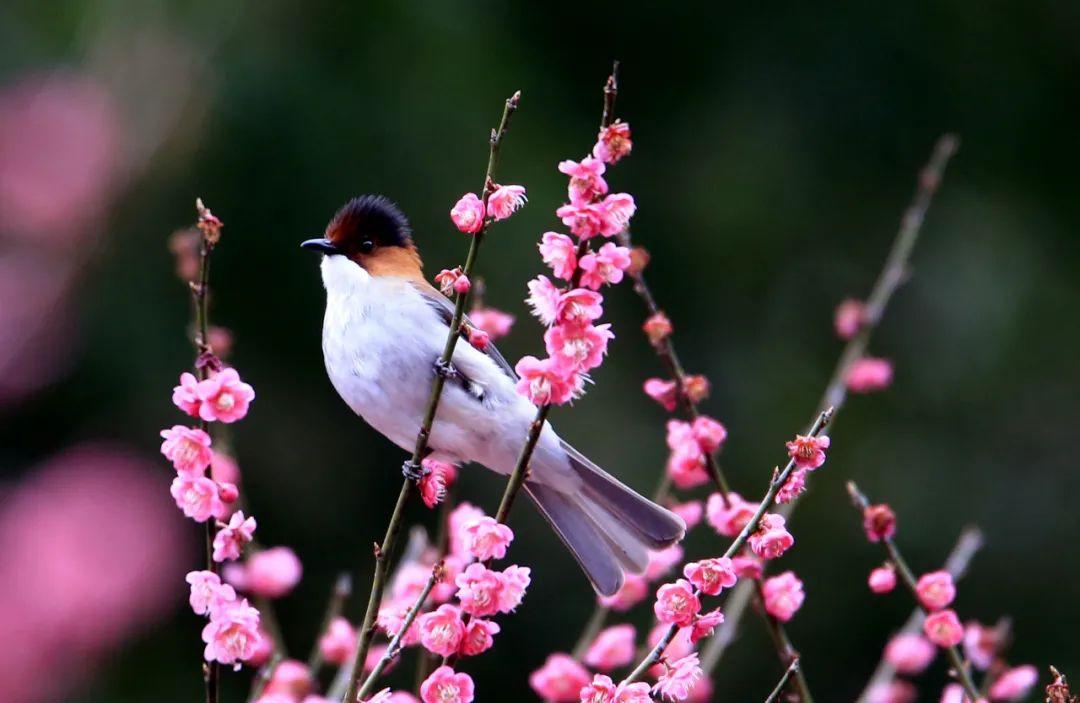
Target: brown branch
column 779, row 690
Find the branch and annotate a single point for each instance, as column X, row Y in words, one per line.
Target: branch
column 959, row 666
column 776, row 692
column 382, row 551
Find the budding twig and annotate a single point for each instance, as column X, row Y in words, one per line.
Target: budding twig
column 960, row 668
column 367, row 630
column 779, row 690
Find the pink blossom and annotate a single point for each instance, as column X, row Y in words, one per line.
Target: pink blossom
column 771, row 539
column 586, row 179
column 618, row 208
column 709, row 433
column 230, row 539
column 228, row 492
column 882, row 579
column 391, row 618
column 691, row 512
column 433, row 485
column 585, row 220
column 479, row 636
column 188, row 449
column 505, row 201
column 515, row 580
column 232, row 635
column 468, row 214
column 459, row 517
column 579, row 347
column 338, row 644
column 185, row 396
column 224, row 397
column 848, row 318
column 544, row 382
column 793, row 487
column 909, row 653
column 662, row 561
column 678, row 647
column 663, row 392
column 544, row 299
column 445, row 686
column 612, row 648
column 728, row 517
column 702, row 692
column 676, row 603
column 1014, row 684
column 686, row 463
column 710, row 576
column 579, row 306
column 291, row 679
column 943, row 628
column 600, row 690
column 695, row 387
column 633, row 693
column 704, row 625
column 478, row 590
column 445, row 589
column 935, row 590
column 613, row 143
column 807, row 451
column 604, row 266
column 495, row 322
column 679, row 678
column 953, row 693
column 223, row 469
column 273, row 572
column 894, row 691
column 453, row 281
column 477, row 337
column 264, row 649
column 197, row 497
column 633, row 590
column 410, row 579
column 559, row 680
column 783, row 595
column 560, row 253
column 879, row 522
column 747, row 566
column 208, row 594
column 869, row 374
column 487, row 539
column 657, row 328
column 981, row 644
column 441, row 630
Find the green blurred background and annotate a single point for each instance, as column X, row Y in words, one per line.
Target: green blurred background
column 775, row 149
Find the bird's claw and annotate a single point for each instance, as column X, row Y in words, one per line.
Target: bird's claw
column 413, row 471
column 445, row 369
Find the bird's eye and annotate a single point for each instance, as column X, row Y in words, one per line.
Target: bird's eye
column 367, row 246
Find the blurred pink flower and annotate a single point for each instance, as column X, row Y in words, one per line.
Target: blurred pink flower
column 663, row 392
column 612, row 648
column 704, row 625
column 783, row 595
column 560, row 679
column 691, row 512
column 882, row 579
column 634, row 590
column 1014, row 684
column 895, row 691
column 728, row 516
column 848, row 318
column 661, row 561
column 909, row 653
column 290, row 678
column 495, row 322
column 338, row 643
column 271, row 573
column 936, row 590
column 869, row 374
column 943, row 628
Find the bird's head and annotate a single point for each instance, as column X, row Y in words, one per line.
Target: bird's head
column 372, row 233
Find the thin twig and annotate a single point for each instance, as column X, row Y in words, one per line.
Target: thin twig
column 960, row 668
column 334, row 605
column 776, row 692
column 969, row 542
column 784, row 648
column 382, row 552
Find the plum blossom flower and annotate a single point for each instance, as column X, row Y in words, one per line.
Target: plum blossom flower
column 545, row 382
column 710, row 576
column 728, row 516
column 446, row 686
column 600, row 690
column 618, row 209
column 678, row 647
column 185, row 395
column 747, row 566
column 686, row 463
column 230, row 539
column 663, row 392
column 936, row 590
column 943, row 628
column 515, row 580
column 704, row 625
column 208, row 593
column 441, row 630
column 604, row 266
column 477, row 337
column 585, row 220
column 586, row 179
column 893, row 691
column 224, row 397
column 468, row 214
column 657, row 328
column 612, row 648
column 696, row 388
column 560, row 253
column 495, row 322
column 433, row 485
column 291, row 679
column 848, row 318
column 338, row 644
column 691, row 512
column 909, row 653
column 544, row 299
column 1014, row 684
column 869, row 374
column 197, row 497
column 479, row 636
column 676, row 603
column 613, row 143
column 981, row 644
column 808, row 451
column 478, row 590
column 459, row 517
column 453, row 281
column 391, row 618
column 560, row 679
column 578, row 347
column 272, row 572
column 679, row 678
column 882, row 579
column 879, row 522
column 505, row 201
column 232, row 635
column 661, row 561
column 771, row 539
column 709, row 433
column 487, row 539
column 579, row 306
column 188, row 449
column 633, row 590
column 783, row 595
column 794, row 487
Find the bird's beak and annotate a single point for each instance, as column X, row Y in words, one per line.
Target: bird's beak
column 321, row 244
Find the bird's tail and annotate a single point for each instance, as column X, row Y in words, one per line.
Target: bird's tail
column 607, row 526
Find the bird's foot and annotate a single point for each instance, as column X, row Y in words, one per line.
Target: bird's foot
column 445, row 369
column 413, row 471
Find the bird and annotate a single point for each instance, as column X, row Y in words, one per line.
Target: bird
column 383, row 334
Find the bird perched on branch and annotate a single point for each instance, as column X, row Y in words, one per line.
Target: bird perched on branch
column 383, row 334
